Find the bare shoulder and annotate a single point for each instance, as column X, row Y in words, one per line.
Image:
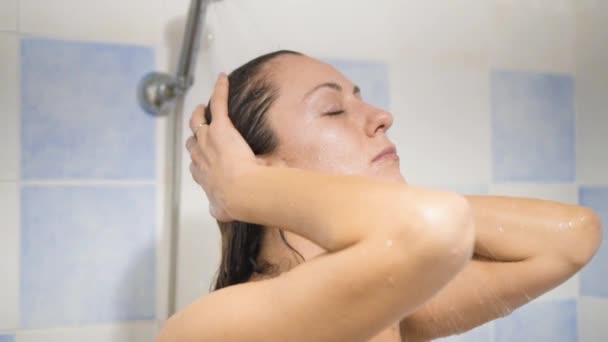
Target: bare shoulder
column 325, row 299
column 214, row 316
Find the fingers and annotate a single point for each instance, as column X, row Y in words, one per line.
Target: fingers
column 219, row 108
column 219, row 99
column 197, row 154
column 197, row 118
column 190, row 142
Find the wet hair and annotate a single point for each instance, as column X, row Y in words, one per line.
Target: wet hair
column 250, row 95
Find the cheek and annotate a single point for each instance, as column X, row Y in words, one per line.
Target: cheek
column 337, row 150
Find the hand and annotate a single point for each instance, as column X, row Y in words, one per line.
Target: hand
column 218, row 152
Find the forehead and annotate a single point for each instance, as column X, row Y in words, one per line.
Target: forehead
column 296, row 75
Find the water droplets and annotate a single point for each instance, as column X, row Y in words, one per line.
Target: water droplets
column 566, row 225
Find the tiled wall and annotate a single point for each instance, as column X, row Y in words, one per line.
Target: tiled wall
column 83, row 238
column 489, row 97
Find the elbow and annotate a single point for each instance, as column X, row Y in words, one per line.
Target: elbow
column 452, row 229
column 446, row 230
column 589, row 234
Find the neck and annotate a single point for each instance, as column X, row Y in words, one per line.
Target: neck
column 276, row 252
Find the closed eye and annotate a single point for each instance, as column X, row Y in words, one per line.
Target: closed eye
column 337, row 112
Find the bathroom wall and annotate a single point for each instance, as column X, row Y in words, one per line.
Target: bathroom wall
column 82, row 169
column 489, row 97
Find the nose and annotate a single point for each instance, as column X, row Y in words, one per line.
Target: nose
column 378, row 121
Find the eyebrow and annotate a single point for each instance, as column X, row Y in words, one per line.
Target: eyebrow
column 332, row 85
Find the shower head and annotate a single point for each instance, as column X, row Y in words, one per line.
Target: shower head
column 157, row 90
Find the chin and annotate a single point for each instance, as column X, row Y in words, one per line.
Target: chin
column 397, row 178
column 389, row 175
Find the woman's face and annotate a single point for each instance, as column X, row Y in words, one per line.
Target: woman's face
column 323, row 123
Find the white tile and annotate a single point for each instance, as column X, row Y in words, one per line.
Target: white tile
column 344, row 28
column 441, row 31
column 591, row 128
column 565, row 193
column 591, row 34
column 592, row 319
column 244, row 29
column 8, row 15
column 163, row 250
column 591, row 92
column 121, row 332
column 9, row 112
column 442, row 122
column 9, row 255
column 533, row 35
column 199, row 242
column 140, row 21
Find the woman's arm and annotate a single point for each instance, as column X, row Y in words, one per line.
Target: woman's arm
column 515, row 229
column 523, row 248
column 335, row 211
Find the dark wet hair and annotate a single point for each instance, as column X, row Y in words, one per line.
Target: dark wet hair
column 251, row 93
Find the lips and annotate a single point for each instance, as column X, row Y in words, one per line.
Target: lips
column 388, row 151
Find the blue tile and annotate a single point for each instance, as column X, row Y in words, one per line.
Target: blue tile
column 594, row 277
column 533, row 132
column 482, row 333
column 7, row 338
column 87, row 254
column 371, row 77
column 79, row 111
column 553, row 321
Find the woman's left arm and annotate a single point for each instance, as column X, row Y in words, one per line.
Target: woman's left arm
column 524, row 248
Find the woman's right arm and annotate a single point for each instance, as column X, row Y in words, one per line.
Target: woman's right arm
column 336, row 211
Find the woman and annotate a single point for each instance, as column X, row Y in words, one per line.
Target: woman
column 323, row 240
